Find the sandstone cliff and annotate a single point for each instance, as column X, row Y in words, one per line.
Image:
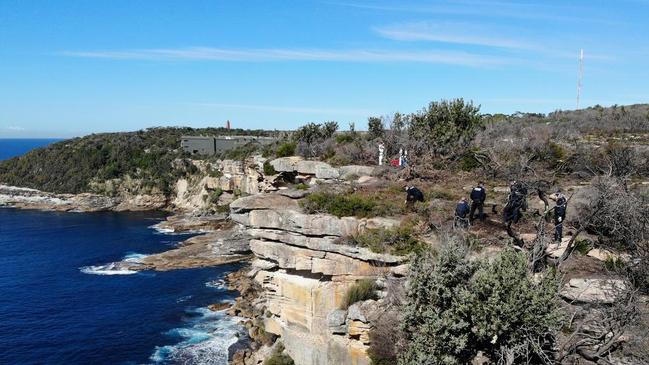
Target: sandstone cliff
column 304, row 275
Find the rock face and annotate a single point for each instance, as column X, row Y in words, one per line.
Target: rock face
column 36, row 199
column 593, row 290
column 319, row 169
column 305, row 274
column 227, row 176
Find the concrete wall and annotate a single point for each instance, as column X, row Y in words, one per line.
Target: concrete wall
column 213, row 145
column 198, row 145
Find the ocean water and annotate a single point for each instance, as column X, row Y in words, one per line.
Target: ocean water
column 11, row 147
column 61, row 304
column 62, row 301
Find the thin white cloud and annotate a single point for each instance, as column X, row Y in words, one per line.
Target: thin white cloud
column 495, row 9
column 267, row 55
column 449, row 33
column 14, row 128
column 287, row 109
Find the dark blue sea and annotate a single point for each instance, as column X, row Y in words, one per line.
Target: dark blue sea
column 10, row 147
column 62, row 303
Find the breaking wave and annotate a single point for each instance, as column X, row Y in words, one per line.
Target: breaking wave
column 114, row 268
column 205, row 340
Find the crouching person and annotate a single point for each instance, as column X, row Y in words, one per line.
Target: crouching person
column 413, row 195
column 462, row 210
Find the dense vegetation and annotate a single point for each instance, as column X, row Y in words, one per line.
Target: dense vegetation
column 455, row 308
column 347, row 204
column 71, row 165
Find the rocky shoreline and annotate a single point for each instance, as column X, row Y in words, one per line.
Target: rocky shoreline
column 26, row 198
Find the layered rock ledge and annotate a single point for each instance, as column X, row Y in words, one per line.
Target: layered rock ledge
column 304, row 275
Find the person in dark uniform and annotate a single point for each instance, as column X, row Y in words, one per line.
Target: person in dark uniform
column 461, row 214
column 516, row 203
column 559, row 217
column 478, row 197
column 413, row 195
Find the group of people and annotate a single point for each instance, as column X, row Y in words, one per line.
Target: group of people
column 513, row 211
column 465, row 213
column 400, row 162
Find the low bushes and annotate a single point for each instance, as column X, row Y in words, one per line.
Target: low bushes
column 286, row 149
column 456, row 308
column 398, row 241
column 362, row 290
column 341, row 205
column 269, row 169
column 279, row 357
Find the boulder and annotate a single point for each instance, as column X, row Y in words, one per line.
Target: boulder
column 555, row 251
column 366, row 179
column 263, row 201
column 310, row 167
column 603, row 291
column 336, row 321
column 218, row 306
column 347, row 172
column 264, row 264
column 401, row 270
column 293, row 193
column 286, row 164
column 327, row 172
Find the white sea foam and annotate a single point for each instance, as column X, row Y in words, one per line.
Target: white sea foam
column 108, row 269
column 205, row 340
column 134, row 257
column 161, row 230
column 114, row 268
column 216, row 284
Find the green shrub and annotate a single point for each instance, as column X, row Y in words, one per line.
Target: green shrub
column 286, row 149
column 468, row 162
column 339, row 205
column 583, row 246
column 555, row 155
column 362, row 290
column 445, row 126
column 279, row 357
column 213, row 197
column 302, row 186
column 269, row 169
column 440, row 193
column 375, row 128
column 222, row 208
column 344, row 138
column 456, row 308
column 613, row 263
column 398, row 241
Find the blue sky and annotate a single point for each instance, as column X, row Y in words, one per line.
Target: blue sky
column 74, row 67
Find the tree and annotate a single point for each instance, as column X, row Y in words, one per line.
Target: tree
column 443, row 126
column 457, row 308
column 310, row 137
column 375, row 128
column 437, row 323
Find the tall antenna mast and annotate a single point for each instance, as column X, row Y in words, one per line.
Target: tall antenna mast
column 581, row 75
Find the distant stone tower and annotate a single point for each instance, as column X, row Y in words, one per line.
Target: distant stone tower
column 227, row 124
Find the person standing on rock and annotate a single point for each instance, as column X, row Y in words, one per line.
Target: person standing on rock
column 478, row 197
column 559, row 217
